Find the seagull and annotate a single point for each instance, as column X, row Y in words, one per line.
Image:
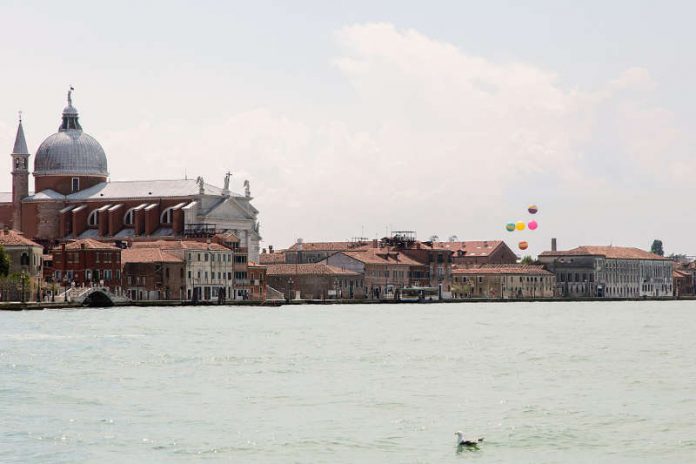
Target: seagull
column 470, row 442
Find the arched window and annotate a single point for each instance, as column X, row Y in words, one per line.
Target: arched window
column 166, row 216
column 129, row 217
column 93, row 218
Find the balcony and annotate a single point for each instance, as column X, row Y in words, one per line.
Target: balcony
column 200, row 230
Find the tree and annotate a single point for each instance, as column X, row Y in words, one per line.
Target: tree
column 656, row 248
column 527, row 260
column 4, row 262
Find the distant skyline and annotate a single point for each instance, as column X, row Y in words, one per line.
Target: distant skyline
column 446, row 118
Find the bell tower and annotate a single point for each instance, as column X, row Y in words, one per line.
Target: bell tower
column 20, row 175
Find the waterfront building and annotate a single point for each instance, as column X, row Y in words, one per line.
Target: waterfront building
column 73, row 197
column 385, row 271
column 87, row 262
column 506, row 281
column 609, row 272
column 258, row 289
column 388, row 265
column 151, row 273
column 210, row 271
column 315, row 281
column 684, row 279
column 478, row 252
column 25, row 266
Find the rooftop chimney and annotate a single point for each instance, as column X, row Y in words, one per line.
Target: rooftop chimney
column 553, row 245
column 270, row 248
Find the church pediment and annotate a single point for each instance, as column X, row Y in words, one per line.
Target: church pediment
column 230, row 209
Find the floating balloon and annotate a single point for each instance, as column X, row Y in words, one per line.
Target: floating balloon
column 523, row 245
column 510, row 226
column 519, row 225
column 532, row 209
column 532, row 225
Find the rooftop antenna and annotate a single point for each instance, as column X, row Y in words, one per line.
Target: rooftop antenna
column 20, row 115
column 185, row 174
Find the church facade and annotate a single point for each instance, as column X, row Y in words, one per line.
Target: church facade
column 74, row 198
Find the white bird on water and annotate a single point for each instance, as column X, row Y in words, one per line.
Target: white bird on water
column 463, row 441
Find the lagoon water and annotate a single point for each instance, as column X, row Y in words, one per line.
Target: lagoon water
column 544, row 382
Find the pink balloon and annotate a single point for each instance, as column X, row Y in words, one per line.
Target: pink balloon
column 532, row 224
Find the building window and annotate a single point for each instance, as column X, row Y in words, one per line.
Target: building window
column 129, row 217
column 24, row 259
column 93, row 218
column 75, row 184
column 166, row 216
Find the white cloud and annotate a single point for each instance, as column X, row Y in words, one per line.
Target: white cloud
column 434, row 139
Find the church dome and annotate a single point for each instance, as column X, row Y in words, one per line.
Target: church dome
column 70, row 151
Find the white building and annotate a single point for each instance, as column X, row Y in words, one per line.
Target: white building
column 610, row 272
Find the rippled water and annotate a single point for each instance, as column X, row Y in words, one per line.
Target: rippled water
column 544, row 382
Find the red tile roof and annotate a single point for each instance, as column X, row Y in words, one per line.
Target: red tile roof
column 10, row 237
column 306, row 269
column 612, row 252
column 272, row 258
column 507, row 269
column 330, row 246
column 471, row 247
column 148, row 255
column 383, row 256
column 90, row 244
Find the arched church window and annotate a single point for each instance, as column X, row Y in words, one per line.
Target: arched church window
column 166, row 216
column 129, row 217
column 93, row 218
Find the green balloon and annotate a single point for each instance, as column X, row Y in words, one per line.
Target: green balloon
column 510, row 226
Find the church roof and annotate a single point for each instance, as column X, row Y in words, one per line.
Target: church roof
column 143, row 189
column 20, row 145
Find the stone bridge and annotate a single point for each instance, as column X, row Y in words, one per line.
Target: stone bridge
column 94, row 297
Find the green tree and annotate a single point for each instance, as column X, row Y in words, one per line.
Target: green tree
column 4, row 262
column 656, row 248
column 527, row 260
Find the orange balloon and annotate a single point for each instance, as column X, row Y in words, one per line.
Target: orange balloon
column 523, row 245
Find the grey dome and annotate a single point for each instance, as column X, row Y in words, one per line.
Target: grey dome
column 70, row 151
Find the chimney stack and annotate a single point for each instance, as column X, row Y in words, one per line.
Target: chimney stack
column 553, row 245
column 270, row 248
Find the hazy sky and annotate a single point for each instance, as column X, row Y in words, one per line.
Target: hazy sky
column 352, row 118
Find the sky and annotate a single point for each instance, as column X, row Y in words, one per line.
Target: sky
column 356, row 119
